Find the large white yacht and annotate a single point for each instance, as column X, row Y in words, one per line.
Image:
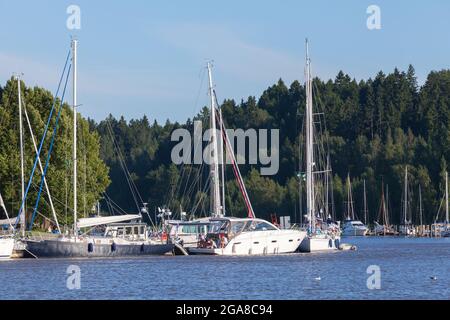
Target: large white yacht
column 247, row 236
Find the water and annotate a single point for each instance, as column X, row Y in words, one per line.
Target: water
column 407, row 266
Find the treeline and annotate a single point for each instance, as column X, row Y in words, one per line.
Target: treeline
column 375, row 128
column 92, row 171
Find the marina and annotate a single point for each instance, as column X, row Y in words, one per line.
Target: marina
column 191, row 156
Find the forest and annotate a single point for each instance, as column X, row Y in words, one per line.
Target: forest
column 374, row 129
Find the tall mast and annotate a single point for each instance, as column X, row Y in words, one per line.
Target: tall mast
column 405, row 208
column 387, row 205
column 214, row 167
column 365, row 202
column 326, row 189
column 420, row 206
column 22, row 176
column 222, row 152
column 74, row 82
column 350, row 209
column 309, row 145
column 446, row 197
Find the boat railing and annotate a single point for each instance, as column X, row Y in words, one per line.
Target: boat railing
column 41, row 236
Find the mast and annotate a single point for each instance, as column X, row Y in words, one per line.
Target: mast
column 420, row 206
column 74, row 82
column 387, row 206
column 446, row 197
column 365, row 202
column 214, row 167
column 222, row 151
column 309, row 145
column 326, row 189
column 350, row 209
column 22, row 176
column 405, row 208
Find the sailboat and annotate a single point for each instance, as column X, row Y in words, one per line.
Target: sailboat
column 443, row 228
column 6, row 240
column 230, row 235
column 382, row 226
column 406, row 227
column 123, row 235
column 352, row 226
column 319, row 237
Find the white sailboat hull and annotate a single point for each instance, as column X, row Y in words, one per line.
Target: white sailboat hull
column 6, row 248
column 320, row 243
column 258, row 243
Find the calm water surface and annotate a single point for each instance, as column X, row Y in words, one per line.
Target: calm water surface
column 407, row 266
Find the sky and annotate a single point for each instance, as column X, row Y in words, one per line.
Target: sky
column 148, row 57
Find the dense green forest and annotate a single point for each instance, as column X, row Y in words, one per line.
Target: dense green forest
column 375, row 128
column 92, row 171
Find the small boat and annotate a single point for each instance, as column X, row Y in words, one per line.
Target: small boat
column 352, row 226
column 6, row 241
column 442, row 229
column 6, row 247
column 247, row 236
column 406, row 229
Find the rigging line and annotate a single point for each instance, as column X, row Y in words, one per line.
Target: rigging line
column 123, row 164
column 202, row 197
column 194, row 184
column 42, row 143
column 47, row 162
column 237, row 173
column 35, row 187
column 202, row 78
column 40, row 166
column 107, row 198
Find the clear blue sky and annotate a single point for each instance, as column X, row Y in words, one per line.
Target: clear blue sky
column 147, row 57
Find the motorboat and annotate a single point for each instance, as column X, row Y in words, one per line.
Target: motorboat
column 247, row 236
column 354, row 228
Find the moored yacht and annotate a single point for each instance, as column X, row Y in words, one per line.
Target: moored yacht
column 320, row 237
column 352, row 226
column 119, row 239
column 247, row 236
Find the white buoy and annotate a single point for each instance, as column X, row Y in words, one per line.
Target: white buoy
column 317, row 278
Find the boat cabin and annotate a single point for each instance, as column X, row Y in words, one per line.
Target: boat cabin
column 128, row 231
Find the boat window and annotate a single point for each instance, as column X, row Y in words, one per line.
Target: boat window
column 189, row 229
column 136, row 230
column 262, row 226
column 237, row 227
